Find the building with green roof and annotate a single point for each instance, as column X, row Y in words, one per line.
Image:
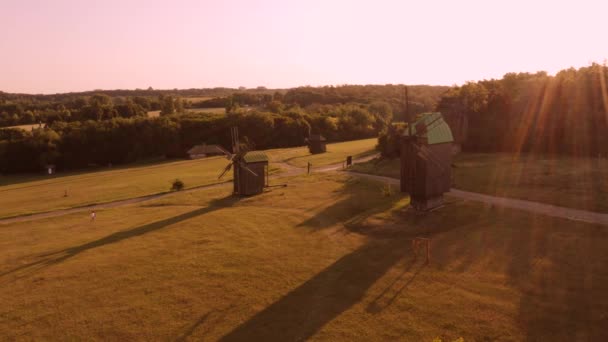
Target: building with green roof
column 426, row 160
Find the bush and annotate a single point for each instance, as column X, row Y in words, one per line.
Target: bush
column 177, row 185
column 389, row 141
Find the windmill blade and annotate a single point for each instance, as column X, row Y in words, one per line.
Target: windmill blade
column 228, row 167
column 229, row 155
column 242, row 165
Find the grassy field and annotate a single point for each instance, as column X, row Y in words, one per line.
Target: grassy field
column 336, row 153
column 327, row 258
column 220, row 110
column 38, row 193
column 30, row 194
column 23, row 127
column 197, row 98
column 580, row 183
column 156, row 113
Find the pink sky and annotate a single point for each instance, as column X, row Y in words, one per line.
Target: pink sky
column 50, row 46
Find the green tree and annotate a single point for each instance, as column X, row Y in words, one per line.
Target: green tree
column 167, row 105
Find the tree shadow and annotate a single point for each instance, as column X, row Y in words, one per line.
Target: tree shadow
column 558, row 268
column 53, row 258
column 563, row 276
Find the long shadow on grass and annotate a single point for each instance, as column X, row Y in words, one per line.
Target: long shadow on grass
column 562, row 272
column 302, row 312
column 559, row 269
column 53, row 258
column 305, row 310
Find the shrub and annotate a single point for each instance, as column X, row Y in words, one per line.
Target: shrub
column 177, row 185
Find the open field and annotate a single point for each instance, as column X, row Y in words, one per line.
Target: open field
column 327, row 258
column 38, row 193
column 197, row 98
column 154, row 113
column 580, row 183
column 220, row 110
column 30, row 194
column 23, row 127
column 336, row 153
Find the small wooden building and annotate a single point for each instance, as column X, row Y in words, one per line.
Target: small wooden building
column 317, row 144
column 204, row 150
column 247, row 184
column 426, row 161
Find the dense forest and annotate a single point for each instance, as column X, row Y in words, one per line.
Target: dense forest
column 77, row 131
column 521, row 112
column 527, row 113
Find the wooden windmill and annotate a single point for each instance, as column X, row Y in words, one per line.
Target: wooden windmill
column 426, row 159
column 250, row 167
column 316, row 144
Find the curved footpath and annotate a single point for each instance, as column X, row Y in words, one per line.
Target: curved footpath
column 290, row 170
column 513, row 203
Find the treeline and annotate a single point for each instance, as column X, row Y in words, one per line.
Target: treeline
column 96, row 107
column 422, row 98
column 22, row 109
column 522, row 112
column 78, row 144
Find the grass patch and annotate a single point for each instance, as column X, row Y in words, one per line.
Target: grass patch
column 23, row 127
column 154, row 113
column 336, row 153
column 327, row 258
column 29, row 194
column 220, row 110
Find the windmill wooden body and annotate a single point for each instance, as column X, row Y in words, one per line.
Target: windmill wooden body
column 317, row 144
column 250, row 168
column 426, row 159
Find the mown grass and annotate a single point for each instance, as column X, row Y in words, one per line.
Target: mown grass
column 336, row 153
column 580, row 183
column 23, row 127
column 327, row 258
column 220, row 110
column 26, row 194
column 30, row 194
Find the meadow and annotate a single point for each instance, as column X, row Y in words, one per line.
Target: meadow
column 336, row 153
column 219, row 110
column 580, row 183
column 156, row 113
column 27, row 194
column 23, row 127
column 327, row 258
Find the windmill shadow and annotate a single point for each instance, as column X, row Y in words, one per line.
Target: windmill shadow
column 302, row 312
column 53, row 258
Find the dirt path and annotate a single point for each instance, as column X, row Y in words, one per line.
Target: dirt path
column 534, row 207
column 290, row 171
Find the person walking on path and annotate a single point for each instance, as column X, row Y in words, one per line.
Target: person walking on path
column 93, row 215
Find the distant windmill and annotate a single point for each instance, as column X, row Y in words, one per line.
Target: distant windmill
column 250, row 167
